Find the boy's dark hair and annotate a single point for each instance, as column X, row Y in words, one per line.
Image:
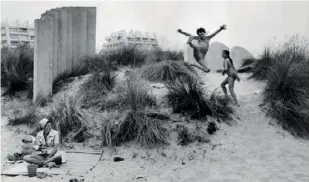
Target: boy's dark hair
column 200, row 30
column 228, row 54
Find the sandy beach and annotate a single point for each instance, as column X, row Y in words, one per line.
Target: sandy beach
column 253, row 149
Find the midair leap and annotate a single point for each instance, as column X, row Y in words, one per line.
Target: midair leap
column 200, row 50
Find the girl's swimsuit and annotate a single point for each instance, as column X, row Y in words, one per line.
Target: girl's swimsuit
column 231, row 71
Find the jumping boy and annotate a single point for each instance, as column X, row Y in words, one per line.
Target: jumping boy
column 200, row 50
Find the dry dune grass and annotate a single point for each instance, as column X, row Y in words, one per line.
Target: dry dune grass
column 133, row 100
column 286, row 70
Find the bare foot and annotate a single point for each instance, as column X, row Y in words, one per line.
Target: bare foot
column 207, row 70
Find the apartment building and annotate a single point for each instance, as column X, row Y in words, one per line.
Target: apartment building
column 14, row 33
column 122, row 39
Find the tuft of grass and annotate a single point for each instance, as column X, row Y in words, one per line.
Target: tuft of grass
column 99, row 63
column 263, row 64
column 28, row 118
column 248, row 62
column 188, row 99
column 129, row 56
column 66, row 116
column 94, row 90
column 168, row 71
column 133, row 95
column 16, row 68
column 221, row 107
column 187, row 136
column 135, row 123
column 287, row 90
column 42, row 101
column 134, row 126
column 68, row 76
column 159, row 54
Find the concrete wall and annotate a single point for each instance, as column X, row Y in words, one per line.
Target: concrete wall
column 62, row 37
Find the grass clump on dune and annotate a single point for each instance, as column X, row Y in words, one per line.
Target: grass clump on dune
column 102, row 81
column 159, row 54
column 94, row 90
column 168, row 71
column 188, row 99
column 68, row 76
column 132, row 95
column 66, row 116
column 129, row 56
column 287, row 90
column 263, row 64
column 247, row 62
column 134, row 124
column 28, row 118
column 247, row 66
column 221, row 107
column 16, row 69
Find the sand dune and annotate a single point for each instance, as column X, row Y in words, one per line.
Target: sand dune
column 250, row 150
column 254, row 149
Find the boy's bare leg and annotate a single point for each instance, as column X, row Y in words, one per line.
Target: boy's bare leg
column 205, row 67
column 200, row 67
column 190, row 42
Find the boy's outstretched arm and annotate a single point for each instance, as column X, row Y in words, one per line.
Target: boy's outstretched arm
column 186, row 34
column 223, row 27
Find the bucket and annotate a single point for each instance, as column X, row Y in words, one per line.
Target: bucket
column 32, row 170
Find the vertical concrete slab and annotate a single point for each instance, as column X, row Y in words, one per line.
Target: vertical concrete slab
column 69, row 41
column 83, row 34
column 62, row 37
column 91, row 30
column 53, row 64
column 64, row 33
column 76, row 26
column 42, row 82
column 55, row 14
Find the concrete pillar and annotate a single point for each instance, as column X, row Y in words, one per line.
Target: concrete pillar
column 76, row 26
column 83, row 34
column 62, row 37
column 91, row 30
column 42, row 81
column 54, row 14
column 69, row 43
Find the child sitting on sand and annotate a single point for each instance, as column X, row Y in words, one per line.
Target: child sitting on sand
column 200, row 50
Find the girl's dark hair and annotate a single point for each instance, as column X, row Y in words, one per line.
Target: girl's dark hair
column 228, row 55
column 200, row 30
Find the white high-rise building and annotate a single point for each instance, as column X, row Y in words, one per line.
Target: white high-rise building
column 122, row 39
column 16, row 32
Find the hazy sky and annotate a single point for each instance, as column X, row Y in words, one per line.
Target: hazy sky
column 250, row 24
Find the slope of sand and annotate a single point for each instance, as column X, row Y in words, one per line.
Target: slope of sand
column 250, row 150
column 253, row 149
